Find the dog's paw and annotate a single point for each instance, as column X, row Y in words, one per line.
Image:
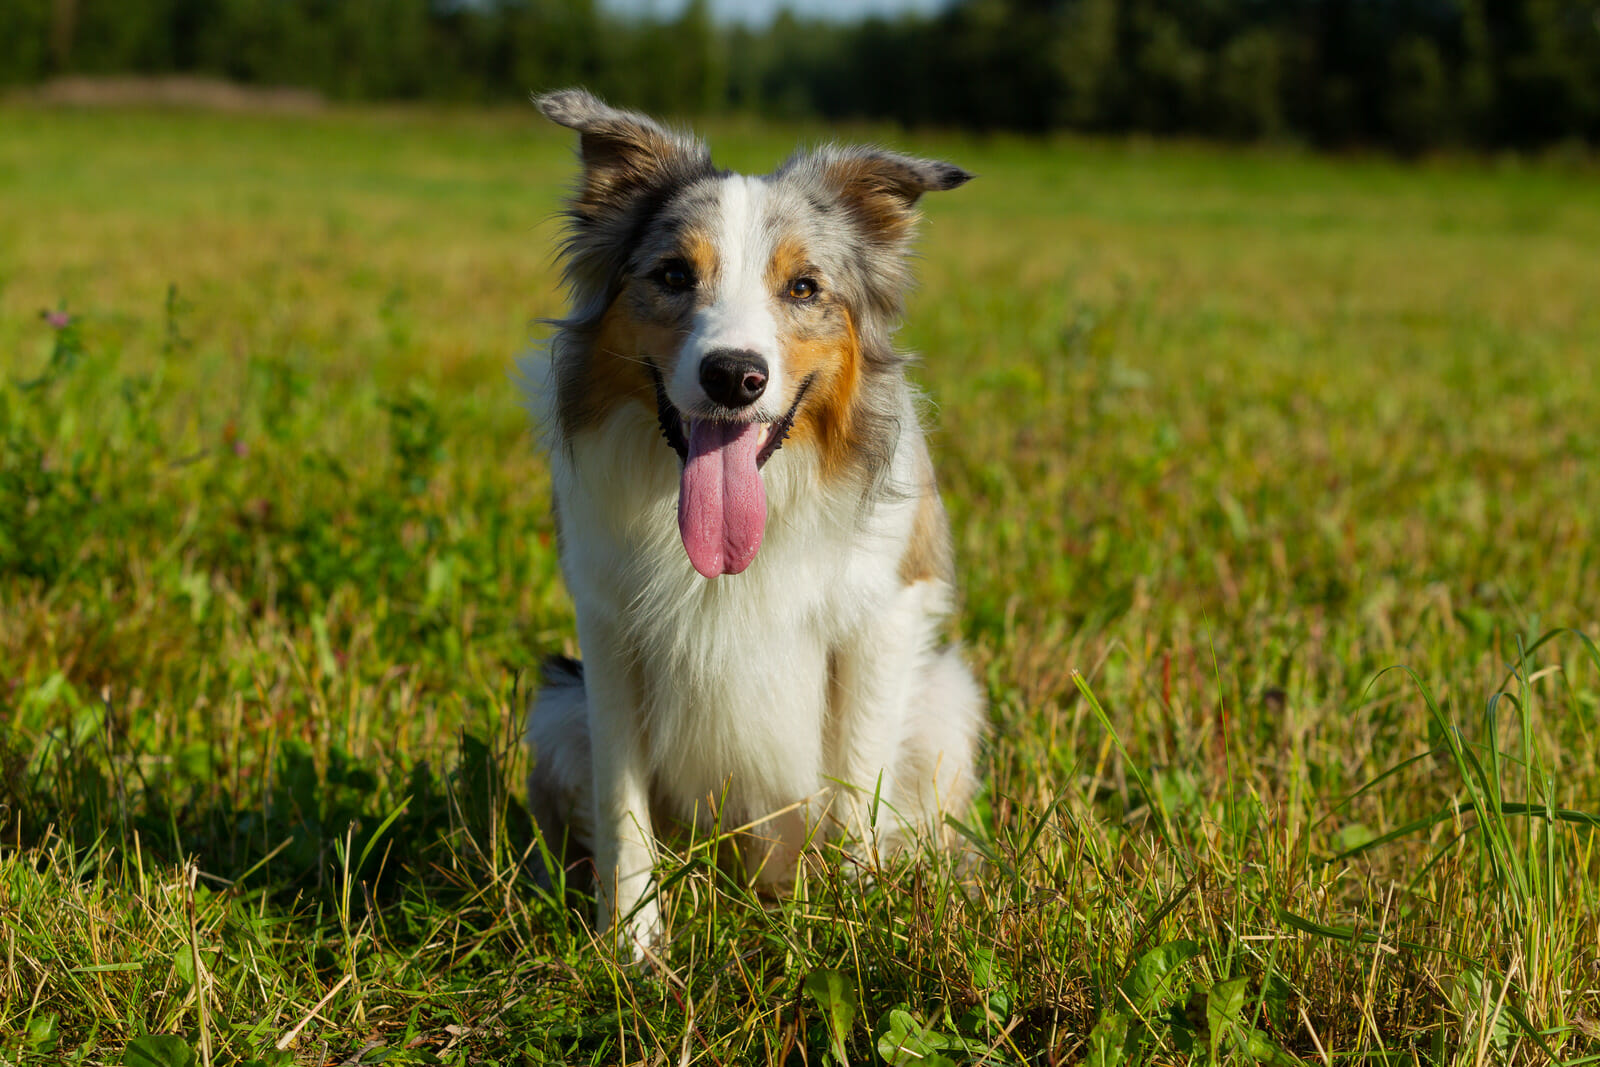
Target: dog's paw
column 635, row 937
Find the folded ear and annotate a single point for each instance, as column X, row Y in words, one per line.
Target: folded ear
column 881, row 189
column 624, row 154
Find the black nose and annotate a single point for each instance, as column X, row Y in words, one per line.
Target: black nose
column 733, row 377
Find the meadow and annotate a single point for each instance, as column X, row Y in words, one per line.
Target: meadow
column 1274, row 479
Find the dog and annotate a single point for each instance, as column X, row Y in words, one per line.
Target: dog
column 746, row 516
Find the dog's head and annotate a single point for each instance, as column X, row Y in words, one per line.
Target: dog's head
column 749, row 310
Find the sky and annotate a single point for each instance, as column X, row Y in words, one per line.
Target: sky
column 761, row 12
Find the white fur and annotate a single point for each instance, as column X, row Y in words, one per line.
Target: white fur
column 739, row 315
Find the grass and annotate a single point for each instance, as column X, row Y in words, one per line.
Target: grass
column 1273, row 481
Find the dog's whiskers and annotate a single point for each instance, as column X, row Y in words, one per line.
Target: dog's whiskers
column 640, row 360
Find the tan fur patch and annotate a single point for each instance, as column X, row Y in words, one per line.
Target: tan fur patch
column 826, row 420
column 789, row 261
column 928, row 552
column 701, row 252
column 613, row 370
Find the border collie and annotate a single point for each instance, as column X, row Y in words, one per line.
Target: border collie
column 746, row 513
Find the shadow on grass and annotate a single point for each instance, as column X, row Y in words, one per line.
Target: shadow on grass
column 300, row 836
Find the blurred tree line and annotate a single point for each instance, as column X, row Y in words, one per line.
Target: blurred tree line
column 1410, row 74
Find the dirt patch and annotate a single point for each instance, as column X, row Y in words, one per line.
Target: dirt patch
column 202, row 94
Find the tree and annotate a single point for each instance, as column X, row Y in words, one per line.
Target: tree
column 1419, row 103
column 1086, row 62
column 1249, row 85
column 24, row 41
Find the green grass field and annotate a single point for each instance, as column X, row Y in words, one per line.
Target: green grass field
column 1270, row 475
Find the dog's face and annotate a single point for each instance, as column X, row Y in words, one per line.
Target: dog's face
column 749, row 310
column 735, row 295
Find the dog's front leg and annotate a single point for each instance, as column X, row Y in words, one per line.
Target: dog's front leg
column 624, row 841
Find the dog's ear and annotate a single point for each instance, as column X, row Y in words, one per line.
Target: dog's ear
column 624, row 154
column 881, row 189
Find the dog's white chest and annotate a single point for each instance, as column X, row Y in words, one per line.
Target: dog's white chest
column 736, row 702
column 733, row 671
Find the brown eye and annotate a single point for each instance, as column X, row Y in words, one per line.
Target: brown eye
column 675, row 274
column 802, row 289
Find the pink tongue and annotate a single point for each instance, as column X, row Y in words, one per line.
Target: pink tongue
column 722, row 505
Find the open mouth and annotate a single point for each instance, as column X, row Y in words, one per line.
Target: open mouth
column 771, row 434
column 722, row 502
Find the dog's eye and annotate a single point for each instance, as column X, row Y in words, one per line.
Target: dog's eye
column 802, row 289
column 675, row 274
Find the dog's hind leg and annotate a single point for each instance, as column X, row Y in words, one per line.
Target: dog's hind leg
column 561, row 783
column 907, row 718
column 935, row 769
